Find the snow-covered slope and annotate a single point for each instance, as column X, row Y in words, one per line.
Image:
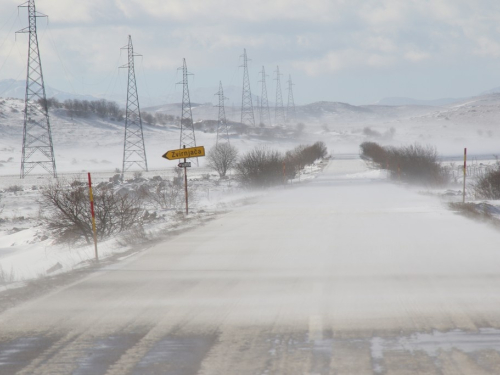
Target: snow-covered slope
column 95, row 144
column 11, row 88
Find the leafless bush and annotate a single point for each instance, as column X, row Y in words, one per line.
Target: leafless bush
column 166, row 195
column 371, row 133
column 222, row 158
column 169, row 195
column 14, row 188
column 67, row 211
column 135, row 235
column 7, row 277
column 413, row 163
column 303, row 155
column 488, row 185
column 261, row 167
column 374, row 154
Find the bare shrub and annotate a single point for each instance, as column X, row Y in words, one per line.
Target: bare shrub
column 222, row 158
column 306, row 154
column 166, row 195
column 135, row 235
column 14, row 188
column 488, row 185
column 412, row 163
column 67, row 209
column 7, row 277
column 171, row 195
column 261, row 167
column 374, row 154
column 371, row 133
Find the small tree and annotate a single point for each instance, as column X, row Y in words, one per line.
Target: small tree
column 222, row 158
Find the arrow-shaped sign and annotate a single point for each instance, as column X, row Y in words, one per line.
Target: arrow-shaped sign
column 192, row 152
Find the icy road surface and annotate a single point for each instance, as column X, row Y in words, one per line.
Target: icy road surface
column 344, row 275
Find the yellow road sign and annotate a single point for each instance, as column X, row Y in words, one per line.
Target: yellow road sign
column 192, row 152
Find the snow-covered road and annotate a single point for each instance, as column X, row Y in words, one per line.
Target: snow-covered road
column 343, row 275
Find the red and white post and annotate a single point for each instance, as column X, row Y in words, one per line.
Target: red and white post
column 94, row 229
column 465, row 172
column 186, row 185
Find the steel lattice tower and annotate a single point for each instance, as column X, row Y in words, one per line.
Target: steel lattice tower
column 247, row 116
column 265, row 115
column 188, row 137
column 290, row 107
column 38, row 149
column 222, row 128
column 279, row 112
column 134, row 151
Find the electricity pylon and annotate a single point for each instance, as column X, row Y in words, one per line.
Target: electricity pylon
column 265, row 115
column 222, row 128
column 38, row 149
column 134, row 151
column 279, row 112
column 247, row 116
column 290, row 107
column 188, row 137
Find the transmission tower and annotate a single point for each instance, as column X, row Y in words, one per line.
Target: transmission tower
column 247, row 116
column 265, row 115
column 290, row 107
column 134, row 151
column 222, row 128
column 38, row 149
column 279, row 112
column 188, row 138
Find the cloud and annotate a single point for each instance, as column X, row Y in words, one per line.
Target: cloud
column 313, row 36
column 416, row 56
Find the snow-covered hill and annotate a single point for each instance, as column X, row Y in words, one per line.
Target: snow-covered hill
column 11, row 88
column 95, row 144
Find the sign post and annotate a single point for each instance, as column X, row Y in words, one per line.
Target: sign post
column 186, row 184
column 94, row 229
column 465, row 172
column 184, row 153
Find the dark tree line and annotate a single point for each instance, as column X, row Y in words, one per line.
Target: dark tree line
column 104, row 109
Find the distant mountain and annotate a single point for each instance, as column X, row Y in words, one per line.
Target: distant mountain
column 11, row 88
column 398, row 101
column 495, row 90
column 206, row 95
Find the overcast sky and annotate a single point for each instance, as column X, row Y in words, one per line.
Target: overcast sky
column 336, row 50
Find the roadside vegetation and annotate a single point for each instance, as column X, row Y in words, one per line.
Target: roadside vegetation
column 67, row 214
column 487, row 186
column 265, row 167
column 414, row 163
column 221, row 158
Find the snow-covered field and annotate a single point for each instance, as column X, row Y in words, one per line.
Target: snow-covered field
column 95, row 145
